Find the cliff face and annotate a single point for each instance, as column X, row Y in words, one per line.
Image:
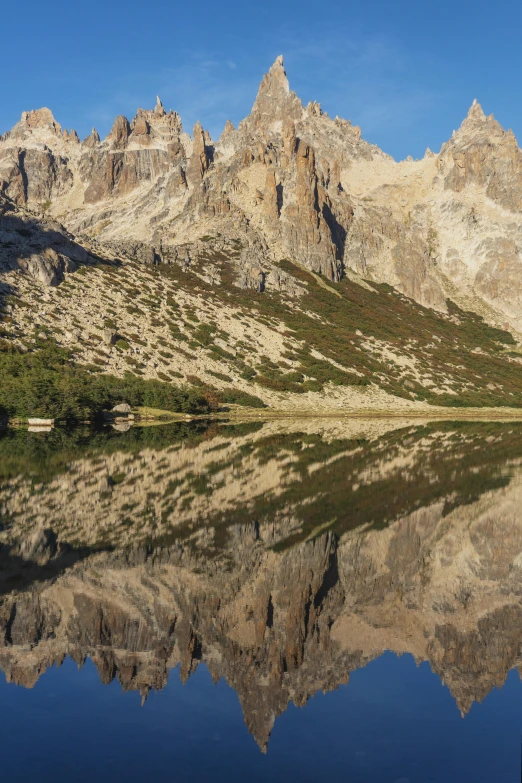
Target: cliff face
column 289, row 182
column 280, row 604
column 38, row 246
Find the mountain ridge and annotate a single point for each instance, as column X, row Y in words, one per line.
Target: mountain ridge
column 288, row 192
column 335, row 171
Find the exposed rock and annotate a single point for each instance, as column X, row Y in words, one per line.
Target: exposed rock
column 289, row 141
column 120, row 132
column 109, row 336
column 229, row 128
column 274, row 101
column 42, row 248
column 306, row 233
column 124, row 407
column 140, row 127
column 92, row 140
column 270, row 197
column 47, row 266
column 159, row 111
column 412, row 266
column 252, row 277
column 199, row 160
column 33, row 121
column 310, row 188
column 136, row 251
column 34, row 175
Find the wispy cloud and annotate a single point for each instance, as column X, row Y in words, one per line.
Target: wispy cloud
column 211, row 90
column 368, row 79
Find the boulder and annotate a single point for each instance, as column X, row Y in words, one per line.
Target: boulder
column 123, row 407
column 47, row 266
column 109, row 336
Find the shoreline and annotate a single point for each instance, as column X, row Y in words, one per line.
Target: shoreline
column 267, row 414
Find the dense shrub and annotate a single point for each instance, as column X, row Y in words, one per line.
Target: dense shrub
column 46, row 383
column 238, row 397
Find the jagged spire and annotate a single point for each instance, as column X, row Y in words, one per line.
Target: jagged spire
column 199, row 161
column 276, row 78
column 36, row 119
column 278, row 65
column 198, row 132
column 476, row 121
column 475, row 111
column 120, row 132
column 159, row 110
column 229, row 127
column 92, row 139
column 274, row 99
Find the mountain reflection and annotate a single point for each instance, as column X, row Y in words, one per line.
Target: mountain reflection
column 283, row 555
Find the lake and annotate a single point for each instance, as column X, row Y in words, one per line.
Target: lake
column 284, row 600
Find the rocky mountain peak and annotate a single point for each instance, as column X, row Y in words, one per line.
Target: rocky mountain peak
column 274, row 100
column 199, row 161
column 198, row 131
column 229, row 128
column 140, row 126
column 277, row 75
column 304, row 187
column 92, row 139
column 120, row 132
column 159, row 110
column 38, row 119
column 475, row 124
column 476, row 112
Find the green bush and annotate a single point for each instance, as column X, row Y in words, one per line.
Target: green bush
column 238, row 397
column 45, row 383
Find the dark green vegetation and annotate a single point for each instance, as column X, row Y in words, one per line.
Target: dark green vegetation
column 44, row 456
column 336, row 485
column 350, row 325
column 440, row 345
column 343, row 334
column 46, row 383
column 229, row 395
column 452, row 462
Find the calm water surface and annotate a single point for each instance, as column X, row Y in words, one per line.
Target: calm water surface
column 322, row 600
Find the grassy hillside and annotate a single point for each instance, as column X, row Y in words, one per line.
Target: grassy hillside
column 192, row 329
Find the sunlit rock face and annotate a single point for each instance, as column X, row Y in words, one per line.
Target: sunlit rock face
column 290, row 183
column 283, row 569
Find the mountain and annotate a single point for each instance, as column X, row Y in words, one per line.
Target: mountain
column 247, row 232
column 283, row 556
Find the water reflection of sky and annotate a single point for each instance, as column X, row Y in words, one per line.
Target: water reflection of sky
column 394, row 722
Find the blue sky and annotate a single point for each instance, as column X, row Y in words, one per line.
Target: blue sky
column 406, row 71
